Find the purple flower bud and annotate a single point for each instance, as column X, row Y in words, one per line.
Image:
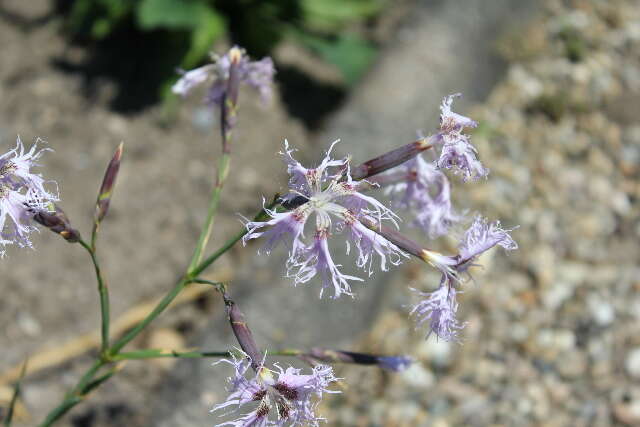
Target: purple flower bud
column 457, row 152
column 257, row 74
column 439, row 308
column 395, row 363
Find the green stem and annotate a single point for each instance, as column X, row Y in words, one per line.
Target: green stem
column 113, row 353
column 223, row 172
column 153, row 354
column 159, row 353
column 115, row 348
column 168, row 298
column 74, row 397
column 60, row 410
column 230, row 243
column 103, row 290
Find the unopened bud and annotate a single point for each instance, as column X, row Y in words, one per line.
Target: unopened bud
column 57, row 222
column 395, row 237
column 108, row 183
column 390, row 160
column 242, row 332
column 390, row 363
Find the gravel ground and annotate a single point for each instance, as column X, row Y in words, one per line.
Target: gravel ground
column 552, row 337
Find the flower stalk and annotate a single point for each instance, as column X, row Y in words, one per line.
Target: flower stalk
column 228, row 117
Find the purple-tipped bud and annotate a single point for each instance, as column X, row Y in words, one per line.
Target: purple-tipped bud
column 242, row 332
column 390, row 363
column 395, row 363
column 108, row 183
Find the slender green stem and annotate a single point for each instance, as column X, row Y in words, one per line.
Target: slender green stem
column 75, row 396
column 8, row 419
column 223, row 172
column 103, row 290
column 160, row 353
column 230, row 243
column 88, row 376
column 168, row 298
column 60, row 410
column 154, row 354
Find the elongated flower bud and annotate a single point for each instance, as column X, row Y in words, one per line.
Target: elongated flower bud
column 391, row 363
column 57, row 222
column 390, row 160
column 242, row 332
column 108, row 183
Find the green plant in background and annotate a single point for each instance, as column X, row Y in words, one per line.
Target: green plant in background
column 334, row 30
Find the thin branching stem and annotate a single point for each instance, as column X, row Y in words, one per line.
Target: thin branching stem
column 103, row 290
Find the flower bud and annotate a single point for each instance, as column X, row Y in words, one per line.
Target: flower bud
column 390, row 160
column 108, row 183
column 57, row 222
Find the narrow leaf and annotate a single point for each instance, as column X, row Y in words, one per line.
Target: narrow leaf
column 14, row 398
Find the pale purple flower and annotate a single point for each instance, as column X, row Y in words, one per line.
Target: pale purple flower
column 368, row 243
column 457, row 152
column 395, row 363
column 291, row 398
column 331, row 195
column 425, row 191
column 439, row 309
column 479, row 238
column 256, row 74
column 316, row 260
column 15, row 169
column 22, row 195
column 482, row 236
column 298, row 392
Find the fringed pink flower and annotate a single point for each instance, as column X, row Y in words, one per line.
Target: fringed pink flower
column 457, row 153
column 256, row 74
column 329, row 194
column 279, row 397
column 22, row 194
column 425, row 191
column 439, row 309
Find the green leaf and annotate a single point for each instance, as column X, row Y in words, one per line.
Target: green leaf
column 209, row 28
column 331, row 15
column 350, row 53
column 174, row 14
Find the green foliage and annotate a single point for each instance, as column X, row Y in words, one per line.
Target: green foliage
column 351, row 53
column 333, row 15
column 330, row 28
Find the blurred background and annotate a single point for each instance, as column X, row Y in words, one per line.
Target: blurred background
column 552, row 336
